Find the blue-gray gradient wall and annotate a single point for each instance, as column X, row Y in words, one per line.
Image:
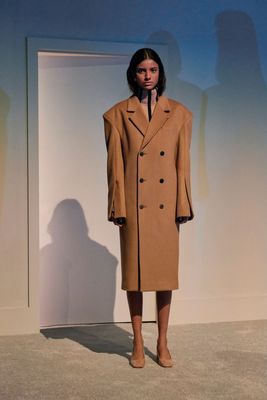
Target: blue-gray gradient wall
column 217, row 66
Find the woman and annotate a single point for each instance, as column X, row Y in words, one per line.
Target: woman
column 148, row 139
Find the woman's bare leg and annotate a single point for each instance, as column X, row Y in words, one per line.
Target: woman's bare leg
column 163, row 309
column 135, row 301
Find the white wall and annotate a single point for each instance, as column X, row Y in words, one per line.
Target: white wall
column 217, row 67
column 80, row 272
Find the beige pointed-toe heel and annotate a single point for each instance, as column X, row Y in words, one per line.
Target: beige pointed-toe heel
column 164, row 362
column 137, row 362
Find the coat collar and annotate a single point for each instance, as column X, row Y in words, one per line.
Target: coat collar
column 137, row 117
column 136, row 114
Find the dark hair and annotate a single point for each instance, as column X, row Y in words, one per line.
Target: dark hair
column 139, row 56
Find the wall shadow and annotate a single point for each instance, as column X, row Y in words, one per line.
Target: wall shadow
column 185, row 92
column 4, row 109
column 188, row 94
column 233, row 123
column 77, row 274
column 235, row 108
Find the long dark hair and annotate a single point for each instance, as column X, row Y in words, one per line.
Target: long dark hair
column 139, row 56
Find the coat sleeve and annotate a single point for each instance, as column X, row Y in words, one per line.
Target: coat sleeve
column 115, row 171
column 184, row 201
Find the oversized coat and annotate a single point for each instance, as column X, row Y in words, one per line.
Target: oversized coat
column 148, row 169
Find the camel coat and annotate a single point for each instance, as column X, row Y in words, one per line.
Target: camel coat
column 148, row 169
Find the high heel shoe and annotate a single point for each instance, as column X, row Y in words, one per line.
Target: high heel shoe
column 164, row 362
column 137, row 362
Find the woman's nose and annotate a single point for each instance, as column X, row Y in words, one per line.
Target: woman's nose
column 147, row 75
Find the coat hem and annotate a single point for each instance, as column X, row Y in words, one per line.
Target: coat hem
column 151, row 290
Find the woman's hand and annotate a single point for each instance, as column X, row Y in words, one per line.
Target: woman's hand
column 119, row 221
column 182, row 220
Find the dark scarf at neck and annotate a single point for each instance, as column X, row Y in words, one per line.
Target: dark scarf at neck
column 149, row 97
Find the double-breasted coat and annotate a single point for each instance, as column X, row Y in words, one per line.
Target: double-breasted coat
column 148, row 167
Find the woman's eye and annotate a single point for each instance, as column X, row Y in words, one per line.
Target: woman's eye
column 142, row 71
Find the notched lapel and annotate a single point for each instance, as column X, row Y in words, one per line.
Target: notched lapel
column 136, row 115
column 160, row 116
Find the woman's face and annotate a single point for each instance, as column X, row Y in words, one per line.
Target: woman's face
column 147, row 74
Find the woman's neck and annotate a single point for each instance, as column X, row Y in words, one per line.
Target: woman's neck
column 144, row 98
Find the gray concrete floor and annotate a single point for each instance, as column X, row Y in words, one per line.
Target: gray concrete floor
column 212, row 362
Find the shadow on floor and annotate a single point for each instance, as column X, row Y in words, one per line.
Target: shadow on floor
column 103, row 338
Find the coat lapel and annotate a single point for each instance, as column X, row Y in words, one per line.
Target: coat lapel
column 136, row 115
column 138, row 119
column 159, row 117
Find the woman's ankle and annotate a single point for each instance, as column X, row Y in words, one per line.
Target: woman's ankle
column 138, row 341
column 162, row 342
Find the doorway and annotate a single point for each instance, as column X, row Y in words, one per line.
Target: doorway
column 79, row 257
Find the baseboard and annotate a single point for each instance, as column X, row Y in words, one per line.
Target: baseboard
column 18, row 321
column 218, row 309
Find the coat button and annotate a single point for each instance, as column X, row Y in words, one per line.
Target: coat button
column 161, row 180
column 141, row 180
column 141, row 206
column 161, row 206
column 162, row 153
column 141, row 153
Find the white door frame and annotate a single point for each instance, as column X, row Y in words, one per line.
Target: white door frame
column 34, row 46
